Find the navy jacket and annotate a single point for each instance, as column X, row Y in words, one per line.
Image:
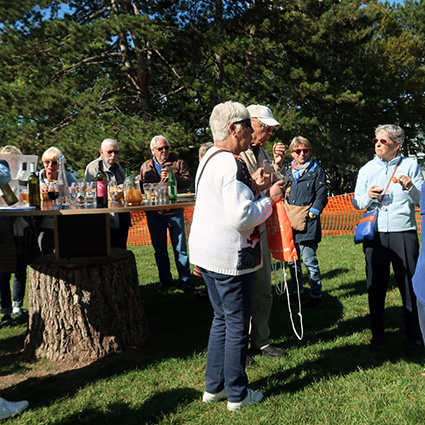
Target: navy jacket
column 309, row 189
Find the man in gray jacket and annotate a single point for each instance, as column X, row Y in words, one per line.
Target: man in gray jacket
column 120, row 223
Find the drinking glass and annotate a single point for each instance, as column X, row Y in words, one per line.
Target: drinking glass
column 53, row 193
column 113, row 190
column 162, row 193
column 81, row 196
column 73, row 192
column 147, row 188
column 90, row 193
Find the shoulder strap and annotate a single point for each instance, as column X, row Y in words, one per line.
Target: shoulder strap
column 388, row 184
column 206, row 162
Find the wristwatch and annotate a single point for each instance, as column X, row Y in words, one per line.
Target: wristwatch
column 311, row 214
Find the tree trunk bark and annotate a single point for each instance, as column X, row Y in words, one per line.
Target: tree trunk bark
column 85, row 308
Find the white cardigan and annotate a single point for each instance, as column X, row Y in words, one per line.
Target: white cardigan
column 224, row 236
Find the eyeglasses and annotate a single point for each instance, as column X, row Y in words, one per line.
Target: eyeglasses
column 51, row 162
column 163, row 148
column 264, row 126
column 382, row 141
column 246, row 121
column 113, row 151
column 299, row 151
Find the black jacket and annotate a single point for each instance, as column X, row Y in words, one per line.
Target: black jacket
column 309, row 189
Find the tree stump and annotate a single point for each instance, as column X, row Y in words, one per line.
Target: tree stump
column 85, row 308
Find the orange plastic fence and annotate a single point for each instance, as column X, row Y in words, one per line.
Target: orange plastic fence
column 338, row 218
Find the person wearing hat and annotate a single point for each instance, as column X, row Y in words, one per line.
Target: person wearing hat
column 263, row 123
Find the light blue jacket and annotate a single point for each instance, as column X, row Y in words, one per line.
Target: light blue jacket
column 397, row 211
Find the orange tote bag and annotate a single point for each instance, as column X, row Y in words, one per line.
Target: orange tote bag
column 279, row 234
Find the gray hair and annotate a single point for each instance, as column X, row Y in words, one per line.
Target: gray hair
column 155, row 139
column 51, row 153
column 11, row 150
column 299, row 140
column 395, row 132
column 223, row 115
column 203, row 149
column 108, row 142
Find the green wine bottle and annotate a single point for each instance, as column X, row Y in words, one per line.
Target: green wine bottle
column 34, row 188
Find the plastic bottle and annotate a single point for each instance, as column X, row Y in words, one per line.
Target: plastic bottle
column 34, row 188
column 172, row 187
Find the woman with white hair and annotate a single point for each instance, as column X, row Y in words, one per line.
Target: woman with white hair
column 393, row 183
column 224, row 243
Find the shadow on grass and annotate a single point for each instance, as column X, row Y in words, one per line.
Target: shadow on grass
column 151, row 412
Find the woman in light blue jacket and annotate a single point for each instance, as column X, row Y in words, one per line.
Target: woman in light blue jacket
column 396, row 240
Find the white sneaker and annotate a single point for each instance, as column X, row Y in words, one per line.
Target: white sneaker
column 252, row 397
column 10, row 408
column 16, row 311
column 213, row 398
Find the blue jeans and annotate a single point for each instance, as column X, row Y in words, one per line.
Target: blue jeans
column 18, row 286
column 230, row 297
column 158, row 225
column 308, row 252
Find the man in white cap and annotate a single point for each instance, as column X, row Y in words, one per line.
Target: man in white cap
column 262, row 122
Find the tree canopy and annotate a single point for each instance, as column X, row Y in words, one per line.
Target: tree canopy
column 77, row 72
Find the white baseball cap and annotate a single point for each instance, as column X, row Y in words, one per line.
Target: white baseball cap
column 262, row 113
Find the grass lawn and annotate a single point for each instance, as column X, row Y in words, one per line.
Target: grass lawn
column 330, row 377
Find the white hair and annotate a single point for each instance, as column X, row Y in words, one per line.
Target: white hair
column 155, row 140
column 395, row 132
column 109, row 142
column 223, row 115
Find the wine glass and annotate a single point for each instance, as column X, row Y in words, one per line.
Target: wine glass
column 53, row 193
column 113, row 190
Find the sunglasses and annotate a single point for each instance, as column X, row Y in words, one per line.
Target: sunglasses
column 246, row 121
column 162, row 148
column 113, row 151
column 382, row 141
column 299, row 151
column 51, row 162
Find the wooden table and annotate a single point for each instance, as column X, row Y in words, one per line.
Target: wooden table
column 84, row 232
column 84, row 302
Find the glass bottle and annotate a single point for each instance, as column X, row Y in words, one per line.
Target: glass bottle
column 101, row 187
column 172, row 186
column 34, row 188
column 7, row 194
column 63, row 182
column 23, row 183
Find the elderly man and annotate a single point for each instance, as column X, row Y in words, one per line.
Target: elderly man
column 109, row 151
column 154, row 170
column 263, row 122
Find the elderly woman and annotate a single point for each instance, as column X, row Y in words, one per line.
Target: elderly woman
column 306, row 186
column 396, row 240
column 50, row 173
column 224, row 243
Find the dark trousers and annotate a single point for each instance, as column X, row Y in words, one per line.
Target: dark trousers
column 401, row 249
column 230, row 297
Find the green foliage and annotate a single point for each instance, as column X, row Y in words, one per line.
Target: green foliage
column 330, row 70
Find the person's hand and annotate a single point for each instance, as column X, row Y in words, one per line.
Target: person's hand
column 262, row 179
column 275, row 192
column 44, row 191
column 165, row 173
column 279, row 152
column 405, row 181
column 375, row 192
